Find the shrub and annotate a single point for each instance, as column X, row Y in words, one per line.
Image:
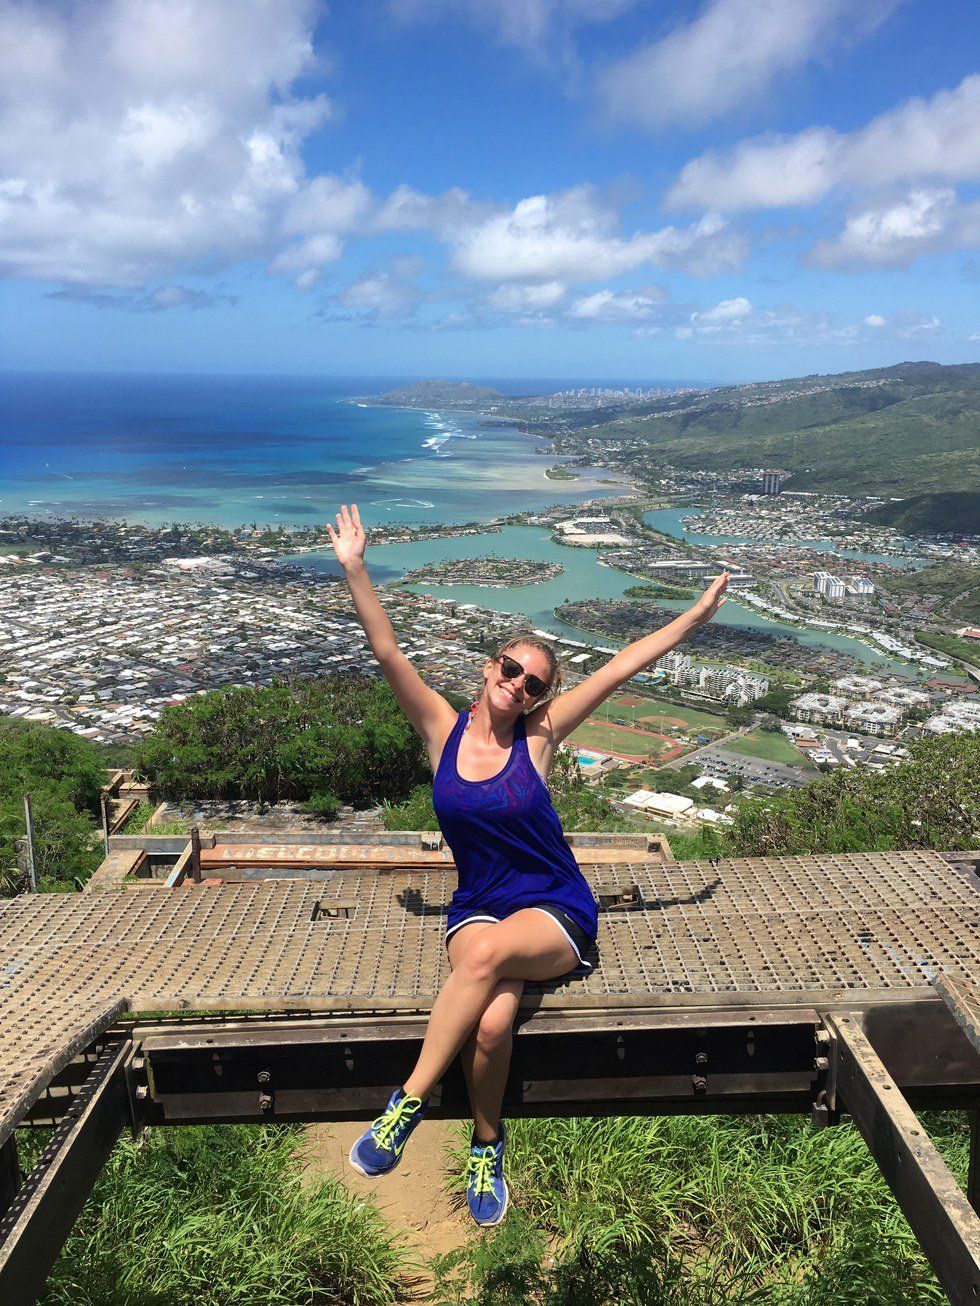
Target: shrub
column 325, row 806
column 63, row 774
column 932, row 800
column 342, row 735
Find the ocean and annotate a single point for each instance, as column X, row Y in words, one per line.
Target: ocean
column 232, row 450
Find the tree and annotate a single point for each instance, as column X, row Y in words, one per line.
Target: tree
column 64, row 775
column 777, row 700
column 342, row 736
column 738, row 716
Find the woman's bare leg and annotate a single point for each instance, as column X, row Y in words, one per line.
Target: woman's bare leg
column 485, row 1056
column 526, row 946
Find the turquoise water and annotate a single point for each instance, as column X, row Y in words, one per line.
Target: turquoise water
column 232, row 450
column 669, row 521
column 583, row 576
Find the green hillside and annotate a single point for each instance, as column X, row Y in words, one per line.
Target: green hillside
column 957, row 512
column 904, row 430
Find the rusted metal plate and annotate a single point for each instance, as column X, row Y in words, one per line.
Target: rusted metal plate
column 373, row 854
column 324, row 854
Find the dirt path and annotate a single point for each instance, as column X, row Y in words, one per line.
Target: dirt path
column 411, row 1198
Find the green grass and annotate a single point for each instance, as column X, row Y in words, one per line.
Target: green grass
column 768, row 745
column 965, row 608
column 602, row 739
column 966, row 649
column 138, row 818
column 218, row 1216
column 660, row 590
column 697, row 1210
column 649, row 713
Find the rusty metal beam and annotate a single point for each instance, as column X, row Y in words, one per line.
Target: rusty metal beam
column 963, row 1001
column 935, row 1206
column 42, row 1213
column 561, row 1065
column 9, row 1174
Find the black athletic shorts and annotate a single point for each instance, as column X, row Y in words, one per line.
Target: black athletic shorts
column 580, row 940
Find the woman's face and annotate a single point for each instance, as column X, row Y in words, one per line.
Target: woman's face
column 511, row 695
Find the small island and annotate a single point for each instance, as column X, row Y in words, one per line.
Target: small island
column 491, row 573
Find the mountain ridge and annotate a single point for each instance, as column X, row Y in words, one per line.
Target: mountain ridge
column 907, row 429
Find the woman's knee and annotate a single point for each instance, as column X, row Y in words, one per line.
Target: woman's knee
column 496, row 1027
column 482, row 957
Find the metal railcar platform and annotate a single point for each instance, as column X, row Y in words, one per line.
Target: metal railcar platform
column 791, row 983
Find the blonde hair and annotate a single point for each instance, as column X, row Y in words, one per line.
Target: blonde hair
column 530, row 640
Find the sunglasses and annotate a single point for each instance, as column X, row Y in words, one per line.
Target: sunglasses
column 510, row 670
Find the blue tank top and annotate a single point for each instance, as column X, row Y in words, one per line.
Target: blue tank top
column 506, row 839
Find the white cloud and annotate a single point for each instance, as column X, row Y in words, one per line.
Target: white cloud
column 321, row 213
column 728, row 310
column 910, row 324
column 730, row 54
column 739, row 322
column 527, row 299
column 572, row 236
column 904, row 324
column 382, row 295
column 895, row 233
column 139, row 136
column 935, row 140
column 540, row 28
column 327, row 204
column 407, row 209
column 609, row 307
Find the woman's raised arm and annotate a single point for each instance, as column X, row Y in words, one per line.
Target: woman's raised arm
column 560, row 716
column 427, row 710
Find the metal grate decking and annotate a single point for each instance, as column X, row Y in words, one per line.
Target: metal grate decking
column 794, row 929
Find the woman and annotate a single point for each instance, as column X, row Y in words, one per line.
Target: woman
column 523, row 910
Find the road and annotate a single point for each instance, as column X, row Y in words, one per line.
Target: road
column 715, row 743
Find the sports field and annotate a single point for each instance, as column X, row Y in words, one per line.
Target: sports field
column 621, row 740
column 664, row 718
column 768, row 746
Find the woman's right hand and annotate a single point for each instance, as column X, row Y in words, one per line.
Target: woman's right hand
column 349, row 539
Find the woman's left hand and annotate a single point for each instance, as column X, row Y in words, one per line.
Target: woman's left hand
column 711, row 600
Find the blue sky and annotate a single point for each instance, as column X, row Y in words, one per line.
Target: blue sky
column 639, row 189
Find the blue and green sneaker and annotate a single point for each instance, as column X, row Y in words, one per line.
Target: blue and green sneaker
column 486, row 1187
column 379, row 1149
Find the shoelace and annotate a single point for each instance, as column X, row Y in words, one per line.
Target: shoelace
column 386, row 1124
column 481, row 1167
